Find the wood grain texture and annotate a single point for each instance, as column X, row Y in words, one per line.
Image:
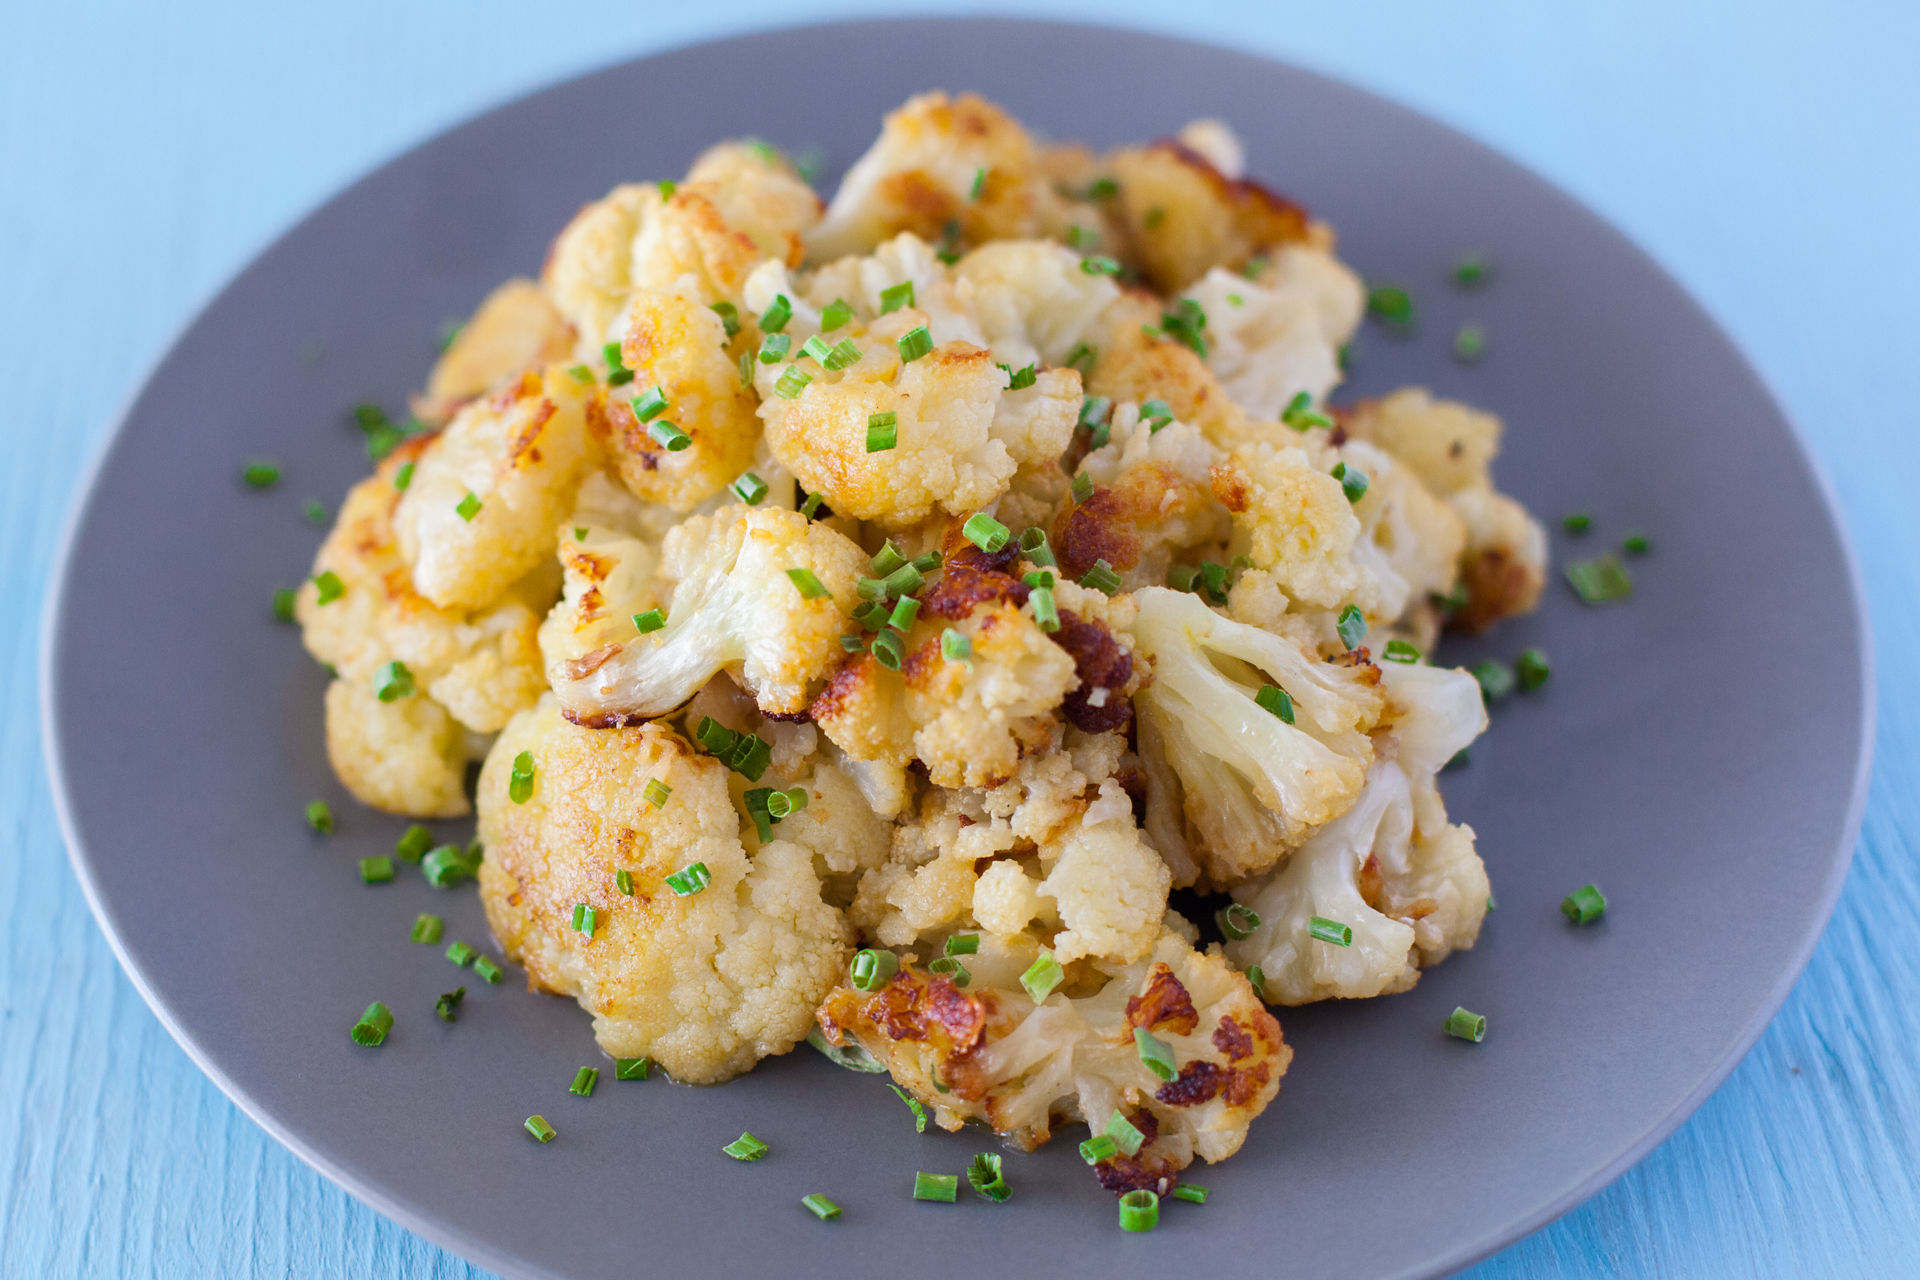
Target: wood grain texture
column 1762, row 150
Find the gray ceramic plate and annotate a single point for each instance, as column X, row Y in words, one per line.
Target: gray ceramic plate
column 1701, row 751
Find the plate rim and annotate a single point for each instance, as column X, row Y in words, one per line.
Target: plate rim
column 475, row 1250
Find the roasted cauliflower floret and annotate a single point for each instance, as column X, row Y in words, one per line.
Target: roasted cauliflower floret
column 1183, row 216
column 759, row 194
column 515, row 329
column 489, row 491
column 1255, row 783
column 988, row 1052
column 705, row 983
column 1410, row 541
column 609, row 565
column 1109, row 884
column 1032, row 301
column 405, row 756
column 735, row 605
column 1135, row 361
column 1272, row 338
column 1152, row 502
column 1297, row 526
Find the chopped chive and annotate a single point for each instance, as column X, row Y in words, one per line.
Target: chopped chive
column 885, row 561
column 650, row 404
column 261, row 475
column 1139, row 1210
column 1045, row 615
column 1097, row 1148
column 413, row 846
column 1352, row 627
column 852, row 643
column 447, row 1007
column 579, row 533
column 1577, row 522
column 328, row 586
column 952, row 969
column 1276, row 700
column 883, row 431
column 1496, row 679
column 1469, row 343
column 1101, row 578
column 1532, row 669
column 816, row 349
column 1469, row 270
column 1213, row 581
column 1340, row 935
column 1094, row 411
column 1401, row 651
column 1033, row 545
column 373, row 1025
column 808, row 584
column 539, row 1128
column 775, row 347
column 979, row 183
column 1124, row 1134
column 895, row 297
column 1156, row 413
column 729, row 316
column 1299, row 414
column 1352, row 482
column 314, row 511
column 376, row 870
column 1392, row 304
column 746, row 1147
column 1079, row 237
column 668, row 435
column 283, row 602
column 520, row 783
column 1082, row 487
column 756, row 801
column 1021, row 379
column 1257, row 979
column 905, row 580
column 487, row 969
column 1083, row 357
column 749, row 488
column 1238, row 921
column 837, row 313
column 667, row 187
column 1188, row 1192
column 1463, row 1025
column 1042, row 976
column 445, row 866
column 775, row 317
column 583, row 1081
column 985, row 1177
column 1183, row 577
column 926, row 562
column 449, row 332
column 956, row 646
column 783, row 804
column 581, row 374
column 1635, row 544
column 820, row 1207
column 918, row 1108
column 1039, row 578
column 690, row 880
column 370, row 418
column 962, row 944
column 872, row 968
column 792, row 383
column 584, row 918
column 843, row 353
column 461, row 954
column 623, row 881
column 944, row 1187
column 746, row 369
column 984, row 532
column 469, row 507
column 1254, row 266
column 1099, row 265
column 631, row 1068
column 392, row 681
column 426, row 929
column 751, row 757
column 1155, row 1055
column 320, row 817
column 651, row 620
column 1584, row 905
column 901, row 619
column 656, row 793
column 1187, row 325
column 914, row 343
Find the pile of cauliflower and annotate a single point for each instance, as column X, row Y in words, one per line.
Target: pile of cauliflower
column 945, row 573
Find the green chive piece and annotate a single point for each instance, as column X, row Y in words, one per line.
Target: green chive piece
column 873, row 616
column 520, row 784
column 962, row 944
column 1033, row 545
column 314, row 512
column 1101, row 578
column 327, row 583
column 1021, row 379
column 792, row 383
column 775, row 347
column 883, row 431
column 756, row 801
column 888, row 651
column 901, row 619
column 1532, row 668
column 447, row 1007
column 944, row 1187
column 1353, row 482
column 1463, row 1025
column 403, row 476
column 1470, row 270
column 1183, row 577
column 668, row 435
column 1139, row 1210
column 320, row 817
column 1155, row 1055
column 1042, row 976
column 1156, row 413
column 283, row 602
column 783, row 804
column 918, row 1108
column 581, row 374
column 1635, row 544
column 376, row 870
column 1094, row 411
column 926, row 562
column 751, row 758
column 444, row 866
column 985, row 1177
column 1340, row 935
column 1082, row 487
column 392, row 681
column 844, row 353
column 1584, row 905
column 579, row 533
column 583, row 919
column 1046, row 615
column 667, row 187
column 852, row 643
column 487, row 969
column 729, row 316
column 837, row 313
column 1097, row 1148
column 979, row 183
column 896, row 297
column 746, row 1147
column 623, row 881
column 583, row 1081
column 656, row 794
column 539, row 1128
column 884, row 562
column 651, row 620
column 1578, row 522
column 413, row 846
column 1401, row 651
column 461, row 954
column 1276, row 700
column 817, row 349
column 872, row 968
column 426, row 929
column 952, row 970
column 449, row 332
column 1213, row 580
column 984, row 532
column 1238, row 921
column 809, row 585
column 1469, row 343
column 1352, row 627
column 1187, row 324
column 690, row 880
column 1299, row 414
column 1257, row 979
column 820, row 1207
column 261, row 475
column 956, row 646
column 1083, row 357
column 1079, row 237
column 1124, row 1134
column 1188, row 1192
column 1496, row 679
column 914, row 343
column 775, row 317
column 746, row 368
column 1099, row 265
column 373, row 1025
column 1392, row 304
column 749, row 488
column 469, row 507
column 631, row 1068
column 904, row 581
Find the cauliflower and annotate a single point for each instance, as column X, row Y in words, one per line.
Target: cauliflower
column 861, row 283
column 1136, row 362
column 1032, row 301
column 1152, row 500
column 987, row 1051
column 407, row 756
column 705, row 983
column 589, row 269
column 759, row 194
column 1297, row 526
column 516, row 328
column 1267, row 342
column 1254, row 785
column 734, row 605
column 1184, row 216
column 609, row 565
column 1410, row 541
column 961, row 433
column 1110, row 885
column 938, row 161
column 488, row 492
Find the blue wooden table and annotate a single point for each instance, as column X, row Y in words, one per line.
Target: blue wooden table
column 1767, row 151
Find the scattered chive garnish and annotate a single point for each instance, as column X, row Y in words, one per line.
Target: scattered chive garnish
column 1257, row 979
column 816, row 349
column 1578, row 522
column 729, row 316
column 1156, row 413
column 1392, row 304
column 315, row 512
column 487, row 969
column 1532, row 668
column 1046, row 615
column 808, row 584
column 979, row 183
column 962, row 944
column 749, row 488
column 1353, row 483
column 413, row 846
column 1635, row 544
column 1187, row 325
column 1093, row 414
column 1125, row 1135
column 905, row 580
column 261, row 475
column 1190, row 1193
column 744, row 1147
column 631, row 1068
column 1463, row 1025
column 461, row 954
column 1299, row 414
column 955, row 646
column 944, row 1187
column 376, row 870
column 837, row 313
column 1340, row 935
column 1101, row 578
column 872, row 968
column 1401, row 651
column 403, row 477
column 844, row 353
column 1033, row 545
column 690, row 880
column 1276, row 700
column 852, row 643
column 1021, row 379
column 320, row 817
column 774, row 348
column 651, row 620
column 539, row 1128
column 984, row 532
column 667, row 187
column 756, row 801
column 1470, row 270
column 373, row 1025
column 985, row 1177
column 1139, row 1210
column 1584, row 905
column 895, row 297
column 623, row 881
column 656, row 793
column 583, row 1081
column 914, row 343
column 1083, row 357
column 792, row 383
column 583, row 919
column 1099, row 265
column 426, row 929
column 901, row 619
column 820, row 1207
column 447, row 1007
column 1042, row 976
column 392, row 681
column 1097, row 1148
column 884, row 562
column 283, row 602
column 915, row 1105
column 926, row 562
column 1238, row 921
column 1156, row 1055
column 883, row 431
column 1496, row 679
column 327, row 583
column 469, row 507
column 1183, row 577
column 784, row 804
column 668, row 435
column 746, row 369
column 775, row 317
column 581, row 374
column 1469, row 343
column 520, row 783
column 952, row 970
column 1352, row 627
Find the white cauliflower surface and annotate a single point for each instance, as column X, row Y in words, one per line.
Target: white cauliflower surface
column 945, row 574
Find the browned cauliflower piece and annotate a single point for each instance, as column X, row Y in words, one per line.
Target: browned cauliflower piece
column 1274, row 337
column 1152, row 502
column 1135, row 361
column 1182, row 215
column 406, row 756
column 609, row 556
column 1409, row 540
column 1296, row 525
column 705, row 983
column 759, row 194
column 514, row 329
